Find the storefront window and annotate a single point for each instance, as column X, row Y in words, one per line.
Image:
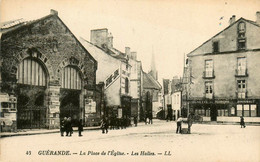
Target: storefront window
column 221, row 112
column 239, row 110
column 232, row 111
column 253, row 110
column 246, row 110
column 208, row 112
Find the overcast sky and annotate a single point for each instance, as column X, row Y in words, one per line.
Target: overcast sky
column 170, row 29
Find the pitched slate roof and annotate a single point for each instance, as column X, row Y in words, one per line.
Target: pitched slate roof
column 108, row 51
column 249, row 21
column 150, row 83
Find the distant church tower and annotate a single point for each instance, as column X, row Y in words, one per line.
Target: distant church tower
column 153, row 71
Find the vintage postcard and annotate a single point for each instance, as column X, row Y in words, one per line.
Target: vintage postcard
column 130, row 80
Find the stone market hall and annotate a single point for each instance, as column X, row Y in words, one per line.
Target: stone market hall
column 47, row 69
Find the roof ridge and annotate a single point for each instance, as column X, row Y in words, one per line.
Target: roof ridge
column 250, row 21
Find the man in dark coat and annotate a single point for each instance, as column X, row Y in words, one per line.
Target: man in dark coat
column 69, row 129
column 62, row 126
column 190, row 120
column 80, row 127
column 135, row 121
column 242, row 122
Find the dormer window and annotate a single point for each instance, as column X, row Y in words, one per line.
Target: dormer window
column 241, row 40
column 215, row 47
column 242, row 27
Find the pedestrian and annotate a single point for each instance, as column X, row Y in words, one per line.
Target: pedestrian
column 145, row 118
column 104, row 125
column 124, row 122
column 179, row 122
column 190, row 120
column 135, row 121
column 242, row 122
column 2, row 126
column 69, row 129
column 150, row 118
column 80, row 127
column 62, row 126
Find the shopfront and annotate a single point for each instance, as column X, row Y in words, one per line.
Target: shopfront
column 222, row 110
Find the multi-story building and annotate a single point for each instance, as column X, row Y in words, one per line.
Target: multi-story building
column 136, row 83
column 224, row 73
column 113, row 70
column 47, row 69
column 170, row 87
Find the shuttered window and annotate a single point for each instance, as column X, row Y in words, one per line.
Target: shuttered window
column 31, row 72
column 70, row 78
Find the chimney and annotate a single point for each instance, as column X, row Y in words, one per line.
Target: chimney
column 232, row 19
column 99, row 37
column 258, row 17
column 110, row 40
column 54, row 12
column 133, row 55
column 127, row 51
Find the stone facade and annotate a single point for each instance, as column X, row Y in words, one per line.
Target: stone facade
column 49, row 43
column 224, row 78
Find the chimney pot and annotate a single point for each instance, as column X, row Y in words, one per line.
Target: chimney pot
column 54, row 12
column 127, row 51
column 258, row 17
column 232, row 19
column 133, row 55
column 99, row 37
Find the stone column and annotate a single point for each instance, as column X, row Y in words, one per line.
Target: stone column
column 53, row 116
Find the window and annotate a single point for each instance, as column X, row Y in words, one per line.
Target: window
column 253, row 110
column 241, row 66
column 209, row 90
column 247, row 110
column 241, row 88
column 239, row 110
column 208, row 68
column 241, row 27
column 215, row 47
column 31, row 72
column 126, row 85
column 241, row 44
column 71, row 78
column 241, row 40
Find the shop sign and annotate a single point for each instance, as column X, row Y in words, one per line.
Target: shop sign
column 221, row 101
column 54, row 108
column 245, row 101
column 201, row 101
column 11, row 116
column 90, row 106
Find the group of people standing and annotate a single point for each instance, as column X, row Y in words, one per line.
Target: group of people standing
column 66, row 126
column 179, row 123
column 116, row 123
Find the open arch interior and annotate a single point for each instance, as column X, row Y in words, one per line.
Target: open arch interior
column 71, row 86
column 32, row 82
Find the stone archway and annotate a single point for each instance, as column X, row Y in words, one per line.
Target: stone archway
column 32, row 79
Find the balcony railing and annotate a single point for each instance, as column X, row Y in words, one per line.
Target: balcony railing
column 208, row 75
column 241, row 73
